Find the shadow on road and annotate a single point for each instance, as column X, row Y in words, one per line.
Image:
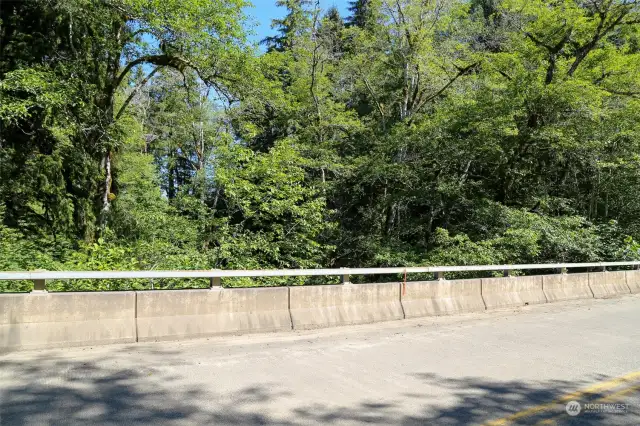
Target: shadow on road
column 62, row 392
column 479, row 401
column 57, row 391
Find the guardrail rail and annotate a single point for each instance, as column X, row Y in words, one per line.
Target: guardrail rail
column 40, row 277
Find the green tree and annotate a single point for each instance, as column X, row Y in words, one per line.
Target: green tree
column 139, row 134
column 295, row 22
column 362, row 13
column 272, row 218
column 93, row 47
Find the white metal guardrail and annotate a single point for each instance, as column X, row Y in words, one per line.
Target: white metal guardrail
column 216, row 274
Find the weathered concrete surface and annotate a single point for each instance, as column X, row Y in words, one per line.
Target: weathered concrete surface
column 608, row 284
column 633, row 281
column 441, row 297
column 40, row 320
column 68, row 319
column 566, row 287
column 512, row 291
column 167, row 315
column 449, row 370
column 334, row 305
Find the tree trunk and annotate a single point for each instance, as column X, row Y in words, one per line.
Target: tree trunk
column 106, row 193
column 171, row 189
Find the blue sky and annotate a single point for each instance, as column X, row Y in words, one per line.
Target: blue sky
column 263, row 11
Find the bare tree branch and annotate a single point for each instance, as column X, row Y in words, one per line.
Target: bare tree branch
column 134, row 91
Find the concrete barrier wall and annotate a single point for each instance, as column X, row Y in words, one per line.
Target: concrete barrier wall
column 633, row 281
column 566, row 287
column 608, row 284
column 442, row 297
column 512, row 291
column 41, row 320
column 44, row 320
column 319, row 306
column 178, row 314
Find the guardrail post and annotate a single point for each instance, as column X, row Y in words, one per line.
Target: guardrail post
column 39, row 285
column 506, row 273
column 439, row 275
column 345, row 278
column 216, row 282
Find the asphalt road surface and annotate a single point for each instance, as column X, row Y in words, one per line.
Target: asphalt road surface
column 517, row 366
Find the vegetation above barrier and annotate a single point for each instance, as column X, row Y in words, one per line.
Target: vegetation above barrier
column 139, row 135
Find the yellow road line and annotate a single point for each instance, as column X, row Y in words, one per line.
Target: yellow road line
column 612, row 397
column 609, row 398
column 599, row 387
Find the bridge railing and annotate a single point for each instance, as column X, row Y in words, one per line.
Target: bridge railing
column 65, row 318
column 40, row 277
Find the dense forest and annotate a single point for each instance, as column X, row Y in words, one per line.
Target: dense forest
column 152, row 134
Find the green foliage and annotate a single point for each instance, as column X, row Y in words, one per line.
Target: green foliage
column 106, row 256
column 274, row 219
column 19, row 253
column 141, row 134
column 521, row 237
